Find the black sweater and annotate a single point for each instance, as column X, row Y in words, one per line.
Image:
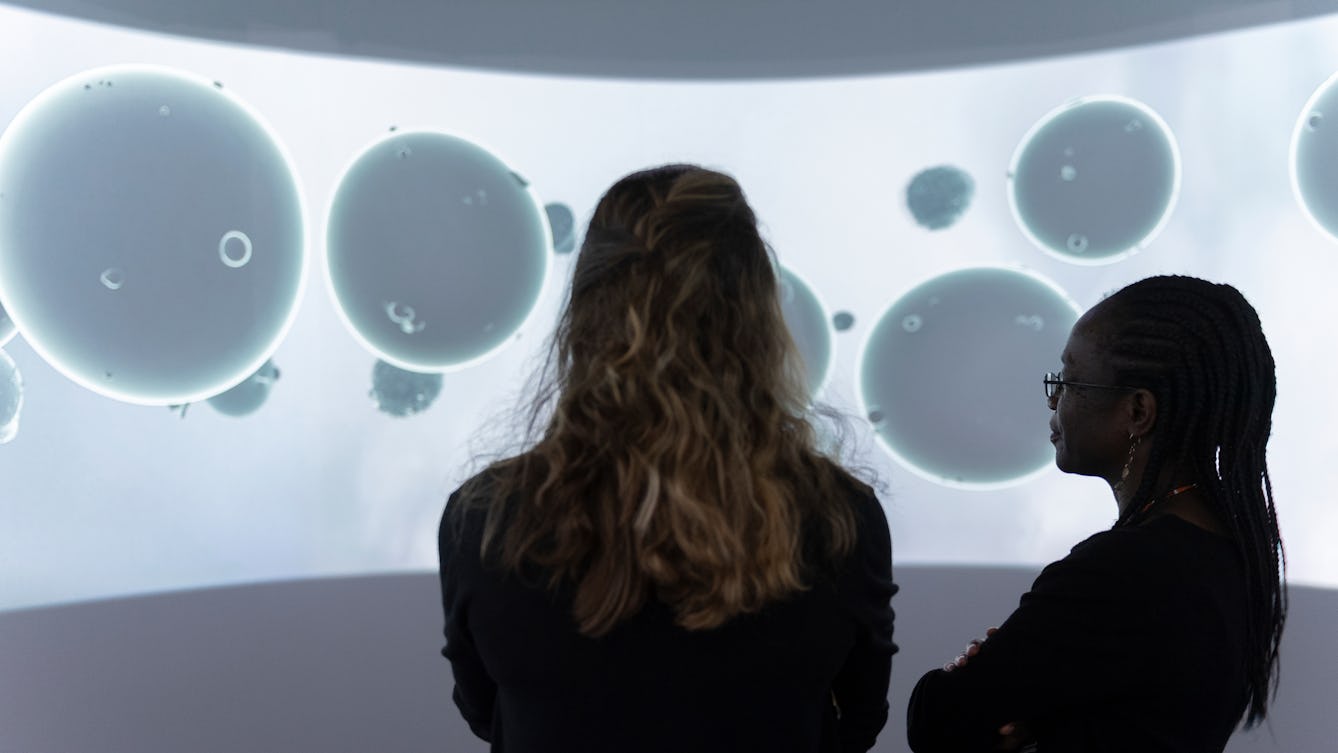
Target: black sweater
column 1133, row 642
column 526, row 680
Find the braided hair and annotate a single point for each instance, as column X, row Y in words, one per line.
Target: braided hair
column 1200, row 349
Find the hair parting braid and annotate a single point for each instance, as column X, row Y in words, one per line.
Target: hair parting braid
column 1207, row 361
column 1155, row 348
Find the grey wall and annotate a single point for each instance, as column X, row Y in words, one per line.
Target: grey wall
column 352, row 664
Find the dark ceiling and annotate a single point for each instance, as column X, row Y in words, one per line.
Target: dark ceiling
column 690, row 38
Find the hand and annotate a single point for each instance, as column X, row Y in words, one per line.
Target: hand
column 971, row 650
column 1013, row 736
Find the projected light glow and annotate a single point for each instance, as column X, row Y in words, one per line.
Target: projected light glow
column 322, row 477
column 812, row 332
column 1095, row 180
column 118, row 283
column 1314, row 152
column 436, row 251
column 949, row 375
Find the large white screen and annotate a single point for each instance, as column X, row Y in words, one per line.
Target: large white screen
column 101, row 498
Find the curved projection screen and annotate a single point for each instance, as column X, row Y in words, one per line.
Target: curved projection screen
column 263, row 310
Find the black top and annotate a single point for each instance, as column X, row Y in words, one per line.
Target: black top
column 526, row 680
column 1133, row 642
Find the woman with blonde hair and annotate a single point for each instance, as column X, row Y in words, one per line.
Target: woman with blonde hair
column 672, row 564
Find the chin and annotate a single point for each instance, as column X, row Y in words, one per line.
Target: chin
column 1062, row 461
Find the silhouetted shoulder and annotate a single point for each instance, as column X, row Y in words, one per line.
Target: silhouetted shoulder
column 466, row 513
column 1157, row 550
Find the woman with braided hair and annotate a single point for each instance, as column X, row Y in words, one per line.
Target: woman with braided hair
column 1161, row 633
column 672, row 564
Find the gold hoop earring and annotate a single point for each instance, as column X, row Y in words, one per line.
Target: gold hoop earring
column 1128, row 464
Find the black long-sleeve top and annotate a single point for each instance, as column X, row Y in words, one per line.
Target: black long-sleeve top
column 1133, row 642
column 527, row 680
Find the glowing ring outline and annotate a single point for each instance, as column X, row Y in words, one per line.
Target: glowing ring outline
column 107, row 278
column 223, row 249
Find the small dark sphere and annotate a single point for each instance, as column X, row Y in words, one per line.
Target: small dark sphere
column 245, row 398
column 939, row 196
column 401, row 393
column 843, row 320
column 563, row 224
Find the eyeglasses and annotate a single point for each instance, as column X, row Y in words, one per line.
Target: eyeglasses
column 1054, row 385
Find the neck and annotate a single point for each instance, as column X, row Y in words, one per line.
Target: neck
column 1173, row 481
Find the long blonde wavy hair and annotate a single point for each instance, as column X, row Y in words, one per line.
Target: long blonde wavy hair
column 673, row 455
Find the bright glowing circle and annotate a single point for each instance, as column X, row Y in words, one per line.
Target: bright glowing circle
column 950, row 375
column 810, row 328
column 1095, row 180
column 109, row 234
column 436, row 251
column 227, row 257
column 1314, row 152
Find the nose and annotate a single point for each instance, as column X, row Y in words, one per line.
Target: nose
column 1052, row 401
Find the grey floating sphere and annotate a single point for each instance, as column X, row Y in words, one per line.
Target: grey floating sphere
column 1095, row 180
column 1314, row 152
column 939, row 196
column 843, row 320
column 950, row 375
column 807, row 320
column 436, row 253
column 247, row 397
column 400, row 393
column 11, row 398
column 562, row 222
column 152, row 245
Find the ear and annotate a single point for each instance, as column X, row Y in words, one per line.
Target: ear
column 1141, row 405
